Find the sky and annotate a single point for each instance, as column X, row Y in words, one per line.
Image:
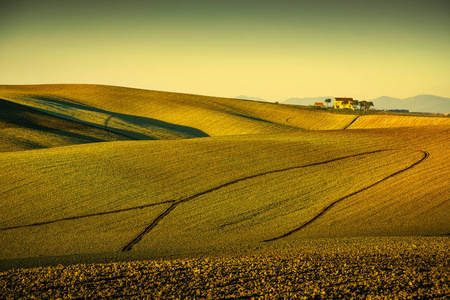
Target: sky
column 269, row 49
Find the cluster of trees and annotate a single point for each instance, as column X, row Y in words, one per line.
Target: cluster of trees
column 363, row 105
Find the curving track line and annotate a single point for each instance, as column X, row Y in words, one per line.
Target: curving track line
column 155, row 222
column 112, row 131
column 86, row 216
column 175, row 203
column 106, row 122
column 328, row 207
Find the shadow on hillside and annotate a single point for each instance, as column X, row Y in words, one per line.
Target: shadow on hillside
column 13, row 115
column 251, row 118
column 151, row 125
column 133, row 123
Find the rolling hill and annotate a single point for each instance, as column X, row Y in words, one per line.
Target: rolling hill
column 222, row 191
column 161, row 115
column 112, row 173
column 23, row 128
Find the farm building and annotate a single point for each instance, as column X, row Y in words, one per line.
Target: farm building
column 342, row 103
column 318, row 104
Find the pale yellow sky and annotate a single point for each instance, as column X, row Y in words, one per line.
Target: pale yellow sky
column 262, row 49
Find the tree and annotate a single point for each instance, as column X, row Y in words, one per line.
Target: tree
column 362, row 104
column 327, row 101
column 355, row 103
column 365, row 104
column 345, row 102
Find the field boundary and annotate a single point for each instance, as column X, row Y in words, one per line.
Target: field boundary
column 329, row 206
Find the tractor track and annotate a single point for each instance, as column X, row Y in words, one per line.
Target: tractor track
column 175, row 203
column 87, row 216
column 353, row 121
column 161, row 216
column 105, row 127
column 328, row 207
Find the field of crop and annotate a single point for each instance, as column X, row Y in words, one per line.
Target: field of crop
column 107, row 174
column 391, row 120
column 22, row 128
column 162, row 115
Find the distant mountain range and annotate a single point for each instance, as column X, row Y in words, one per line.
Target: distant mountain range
column 243, row 97
column 419, row 103
column 307, row 100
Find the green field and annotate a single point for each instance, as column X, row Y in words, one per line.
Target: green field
column 104, row 174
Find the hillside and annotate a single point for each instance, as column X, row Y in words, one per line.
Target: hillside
column 154, row 115
column 395, row 121
column 223, row 191
column 147, row 114
column 23, row 128
column 112, row 175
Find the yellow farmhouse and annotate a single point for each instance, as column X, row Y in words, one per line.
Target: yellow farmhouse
column 343, row 103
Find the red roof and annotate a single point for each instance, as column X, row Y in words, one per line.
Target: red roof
column 318, row 104
column 343, row 99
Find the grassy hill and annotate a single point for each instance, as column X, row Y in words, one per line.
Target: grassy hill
column 144, row 114
column 23, row 128
column 397, row 120
column 227, row 190
column 209, row 174
column 164, row 115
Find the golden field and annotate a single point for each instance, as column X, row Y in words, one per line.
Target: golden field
column 107, row 174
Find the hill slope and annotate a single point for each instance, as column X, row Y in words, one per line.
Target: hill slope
column 223, row 192
column 395, row 121
column 143, row 114
column 23, row 128
column 147, row 114
column 260, row 175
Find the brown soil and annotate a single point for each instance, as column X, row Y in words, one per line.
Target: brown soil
column 379, row 268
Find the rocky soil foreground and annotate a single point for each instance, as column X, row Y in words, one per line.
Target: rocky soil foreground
column 402, row 268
